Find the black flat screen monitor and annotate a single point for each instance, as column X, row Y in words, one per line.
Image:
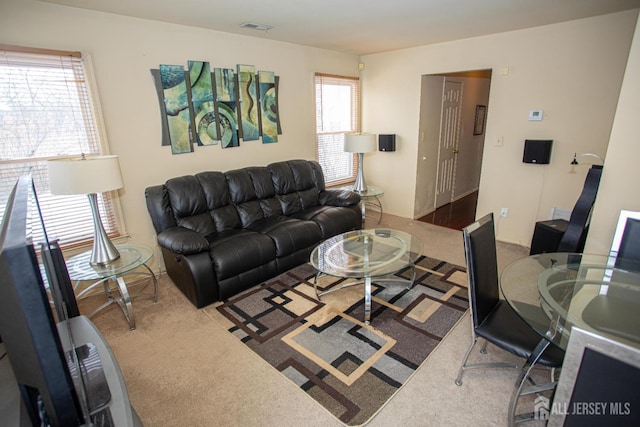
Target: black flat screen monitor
column 28, row 324
column 599, row 382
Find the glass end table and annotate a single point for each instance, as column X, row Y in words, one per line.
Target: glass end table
column 369, row 197
column 366, row 254
column 132, row 262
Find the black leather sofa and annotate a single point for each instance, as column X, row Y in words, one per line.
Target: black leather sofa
column 223, row 232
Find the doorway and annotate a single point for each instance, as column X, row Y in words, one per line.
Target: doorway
column 451, row 143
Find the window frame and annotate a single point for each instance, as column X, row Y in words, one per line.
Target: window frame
column 91, row 127
column 355, row 119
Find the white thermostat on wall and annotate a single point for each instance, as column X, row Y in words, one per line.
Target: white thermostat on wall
column 535, row 115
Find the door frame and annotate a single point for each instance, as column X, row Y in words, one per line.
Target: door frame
column 469, row 160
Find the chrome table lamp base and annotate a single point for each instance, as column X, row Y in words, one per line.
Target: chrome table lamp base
column 103, row 252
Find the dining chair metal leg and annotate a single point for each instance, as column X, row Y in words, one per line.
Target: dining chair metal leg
column 525, row 375
column 497, row 365
column 464, row 362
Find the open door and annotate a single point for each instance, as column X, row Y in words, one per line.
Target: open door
column 449, row 141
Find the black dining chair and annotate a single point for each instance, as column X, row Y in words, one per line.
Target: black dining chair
column 560, row 235
column 492, row 318
column 574, row 237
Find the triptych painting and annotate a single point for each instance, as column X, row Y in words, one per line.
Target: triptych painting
column 220, row 106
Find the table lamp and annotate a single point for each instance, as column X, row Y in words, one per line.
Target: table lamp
column 89, row 175
column 360, row 143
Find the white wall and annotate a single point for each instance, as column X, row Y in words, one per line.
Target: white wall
column 620, row 177
column 123, row 50
column 573, row 71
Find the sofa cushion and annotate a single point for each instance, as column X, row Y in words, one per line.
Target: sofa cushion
column 243, row 195
column 318, row 175
column 159, row 207
column 189, row 204
column 216, row 191
column 265, row 193
column 235, row 251
column 289, row 235
column 332, row 220
column 282, row 178
column 339, row 197
column 261, row 181
column 183, row 241
column 218, row 199
column 302, row 174
column 294, row 184
column 290, row 203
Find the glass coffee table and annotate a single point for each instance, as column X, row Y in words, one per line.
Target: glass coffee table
column 366, row 254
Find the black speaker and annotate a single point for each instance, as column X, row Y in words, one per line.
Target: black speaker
column 537, row 151
column 387, row 142
column 547, row 236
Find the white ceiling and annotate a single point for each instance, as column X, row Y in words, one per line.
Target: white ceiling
column 360, row 26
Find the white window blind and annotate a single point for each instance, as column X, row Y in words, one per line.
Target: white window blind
column 46, row 112
column 337, row 113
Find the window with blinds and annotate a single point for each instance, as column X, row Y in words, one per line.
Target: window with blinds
column 46, row 112
column 337, row 113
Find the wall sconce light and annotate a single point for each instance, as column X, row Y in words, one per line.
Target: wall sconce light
column 574, row 162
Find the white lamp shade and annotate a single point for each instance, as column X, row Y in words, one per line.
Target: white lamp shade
column 359, row 142
column 84, row 175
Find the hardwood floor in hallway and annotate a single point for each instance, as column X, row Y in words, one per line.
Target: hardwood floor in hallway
column 456, row 215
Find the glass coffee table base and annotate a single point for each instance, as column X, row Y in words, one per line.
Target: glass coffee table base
column 367, row 288
column 366, row 255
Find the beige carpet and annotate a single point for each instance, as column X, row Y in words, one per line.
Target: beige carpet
column 182, row 368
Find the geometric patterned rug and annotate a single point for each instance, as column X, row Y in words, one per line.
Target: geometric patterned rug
column 349, row 368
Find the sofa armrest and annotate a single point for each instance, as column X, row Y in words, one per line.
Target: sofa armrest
column 336, row 197
column 183, row 241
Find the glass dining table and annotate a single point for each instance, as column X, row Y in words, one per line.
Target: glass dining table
column 553, row 292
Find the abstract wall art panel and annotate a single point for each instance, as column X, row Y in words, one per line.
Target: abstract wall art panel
column 278, row 103
column 157, row 81
column 227, row 103
column 204, row 120
column 216, row 106
column 174, row 87
column 268, row 106
column 248, row 103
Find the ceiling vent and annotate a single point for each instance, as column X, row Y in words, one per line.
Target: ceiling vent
column 255, row 26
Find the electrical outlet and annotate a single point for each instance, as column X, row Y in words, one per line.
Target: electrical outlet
column 504, row 212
